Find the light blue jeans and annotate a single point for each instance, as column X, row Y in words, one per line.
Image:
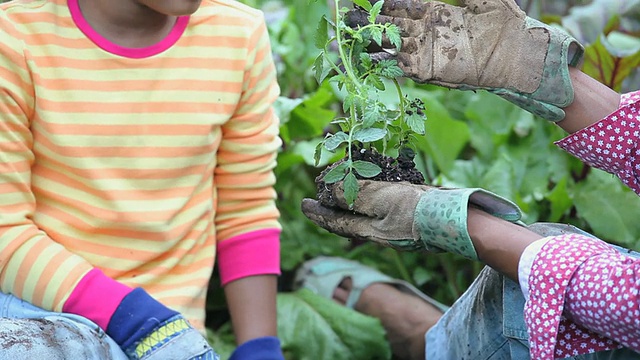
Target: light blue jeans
column 29, row 332
column 487, row 323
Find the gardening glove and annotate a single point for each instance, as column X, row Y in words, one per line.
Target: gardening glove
column 484, row 44
column 409, row 217
column 264, row 348
column 147, row 330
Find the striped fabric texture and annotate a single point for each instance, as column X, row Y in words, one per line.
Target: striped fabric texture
column 138, row 163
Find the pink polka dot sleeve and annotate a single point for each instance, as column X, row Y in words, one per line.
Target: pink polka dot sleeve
column 583, row 298
column 612, row 143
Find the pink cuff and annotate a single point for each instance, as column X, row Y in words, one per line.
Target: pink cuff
column 96, row 297
column 254, row 253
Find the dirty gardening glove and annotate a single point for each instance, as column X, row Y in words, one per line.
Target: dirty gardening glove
column 147, row 330
column 409, row 217
column 484, row 44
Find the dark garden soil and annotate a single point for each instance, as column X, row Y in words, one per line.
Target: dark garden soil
column 393, row 170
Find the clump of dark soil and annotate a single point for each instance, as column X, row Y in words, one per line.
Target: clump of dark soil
column 393, row 170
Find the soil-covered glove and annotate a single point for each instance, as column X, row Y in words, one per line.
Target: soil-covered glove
column 484, row 44
column 147, row 330
column 409, row 217
column 264, row 348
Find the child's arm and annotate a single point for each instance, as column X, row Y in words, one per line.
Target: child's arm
column 247, row 219
column 35, row 268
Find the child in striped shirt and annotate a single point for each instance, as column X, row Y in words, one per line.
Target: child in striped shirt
column 137, row 142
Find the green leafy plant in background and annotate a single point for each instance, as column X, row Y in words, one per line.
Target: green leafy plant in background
column 367, row 121
column 472, row 139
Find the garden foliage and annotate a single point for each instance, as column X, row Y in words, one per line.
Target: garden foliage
column 472, row 139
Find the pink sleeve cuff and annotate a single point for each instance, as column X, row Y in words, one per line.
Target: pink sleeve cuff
column 96, row 297
column 254, row 253
column 629, row 98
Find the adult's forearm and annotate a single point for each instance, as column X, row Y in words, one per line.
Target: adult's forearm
column 498, row 243
column 252, row 304
column 593, row 101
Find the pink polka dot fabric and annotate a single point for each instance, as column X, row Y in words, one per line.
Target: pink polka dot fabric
column 583, row 298
column 611, row 144
column 583, row 294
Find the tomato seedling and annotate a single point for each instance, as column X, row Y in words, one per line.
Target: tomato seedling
column 367, row 122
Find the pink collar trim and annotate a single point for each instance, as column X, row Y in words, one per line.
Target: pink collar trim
column 134, row 53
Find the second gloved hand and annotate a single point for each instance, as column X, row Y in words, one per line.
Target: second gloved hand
column 409, row 217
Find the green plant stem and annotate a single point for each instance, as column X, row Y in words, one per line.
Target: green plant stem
column 404, row 273
column 353, row 118
column 346, row 61
column 400, row 97
column 450, row 275
column 331, row 63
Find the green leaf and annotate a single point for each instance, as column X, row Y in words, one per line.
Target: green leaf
column 311, row 117
column 338, row 333
column 343, row 123
column 284, row 107
column 322, row 33
column 560, row 201
column 375, row 80
column 333, row 141
column 488, row 115
column 365, row 4
column 393, row 34
column 351, row 188
column 445, row 137
column 347, row 102
column 390, row 69
column 499, row 177
column 372, row 113
column 375, row 11
column 366, row 135
column 338, row 79
column 416, row 122
column 366, row 169
column 365, row 61
column 610, row 67
column 587, row 22
column 317, row 154
column 320, row 70
column 611, row 209
column 336, row 174
column 376, row 35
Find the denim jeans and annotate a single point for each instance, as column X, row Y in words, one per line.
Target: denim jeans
column 29, row 332
column 487, row 323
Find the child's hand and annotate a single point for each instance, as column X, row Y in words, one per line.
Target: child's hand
column 147, row 330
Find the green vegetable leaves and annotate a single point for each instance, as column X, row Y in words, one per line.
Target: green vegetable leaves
column 338, row 333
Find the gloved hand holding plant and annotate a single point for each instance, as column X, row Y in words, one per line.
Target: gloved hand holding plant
column 483, row 44
column 408, row 217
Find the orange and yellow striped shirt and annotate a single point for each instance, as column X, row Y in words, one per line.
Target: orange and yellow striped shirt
column 142, row 163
